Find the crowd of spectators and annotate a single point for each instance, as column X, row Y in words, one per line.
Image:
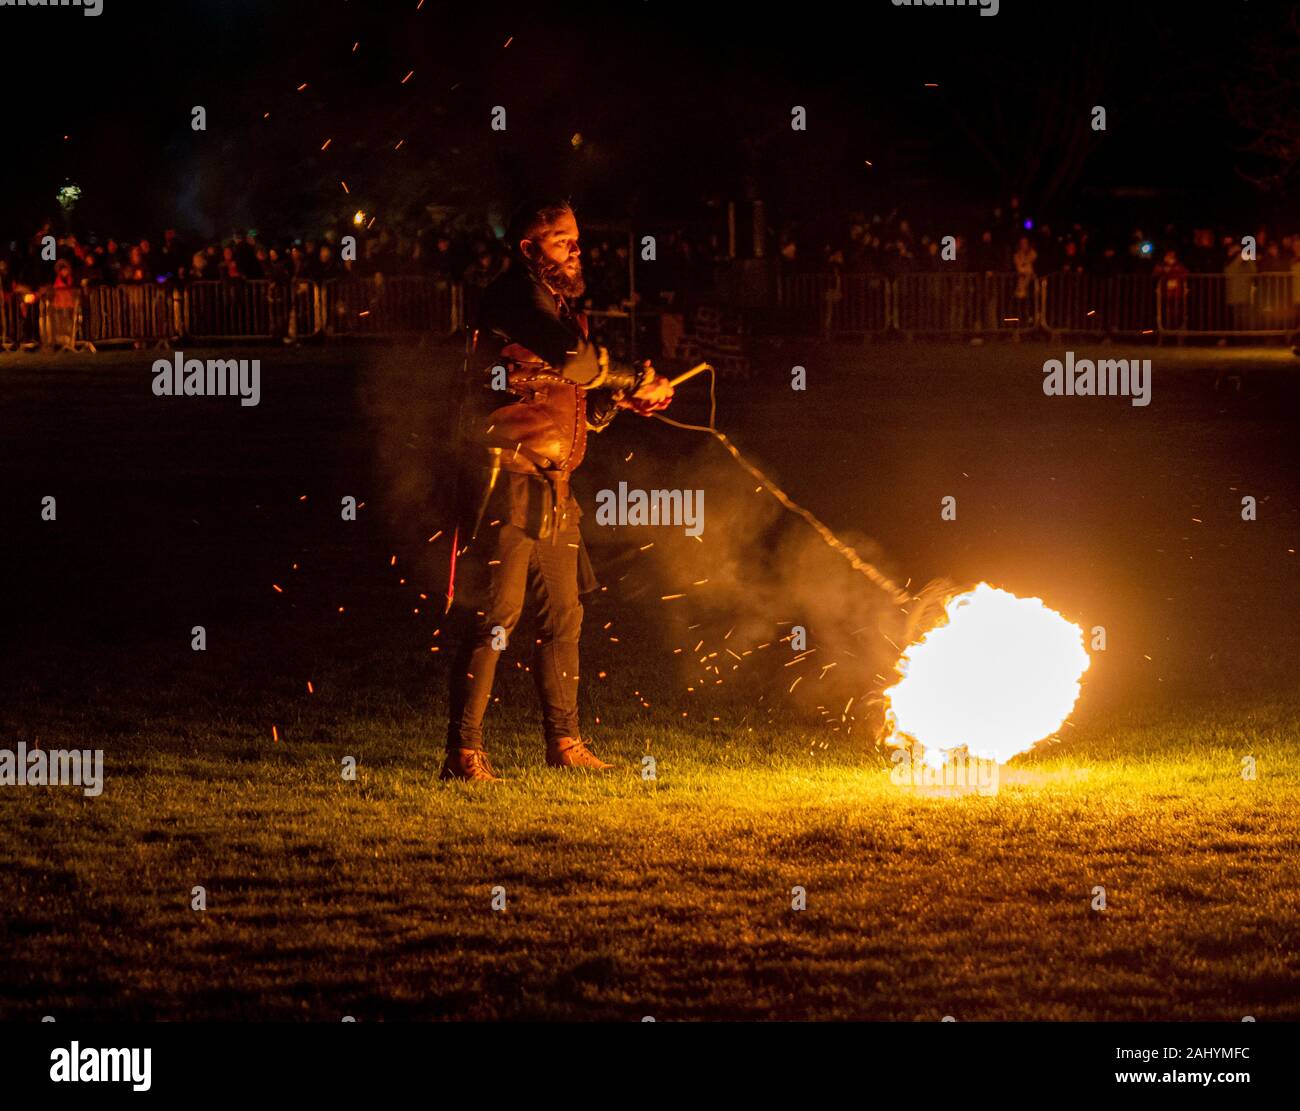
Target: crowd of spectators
column 474, row 259
column 243, row 256
column 1009, row 241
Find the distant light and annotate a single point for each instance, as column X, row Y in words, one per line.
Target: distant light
column 1145, row 246
column 1029, row 225
column 576, row 141
column 359, row 218
column 69, row 195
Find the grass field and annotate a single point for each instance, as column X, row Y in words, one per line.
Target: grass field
column 628, row 897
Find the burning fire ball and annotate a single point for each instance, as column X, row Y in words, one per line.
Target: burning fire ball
column 999, row 676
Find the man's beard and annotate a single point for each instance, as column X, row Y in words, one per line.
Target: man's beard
column 567, row 283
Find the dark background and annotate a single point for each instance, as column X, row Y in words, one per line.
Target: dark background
column 680, row 108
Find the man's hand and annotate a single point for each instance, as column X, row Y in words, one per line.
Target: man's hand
column 653, row 394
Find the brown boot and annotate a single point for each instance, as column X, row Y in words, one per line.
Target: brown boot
column 570, row 752
column 468, row 763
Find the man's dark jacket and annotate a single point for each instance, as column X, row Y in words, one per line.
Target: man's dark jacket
column 536, row 385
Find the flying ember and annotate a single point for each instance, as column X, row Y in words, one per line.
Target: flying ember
column 1000, row 675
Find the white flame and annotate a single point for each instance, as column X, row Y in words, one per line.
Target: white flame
column 1002, row 674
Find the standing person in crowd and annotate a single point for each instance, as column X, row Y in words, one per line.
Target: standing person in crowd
column 1240, row 288
column 1023, row 261
column 1172, row 278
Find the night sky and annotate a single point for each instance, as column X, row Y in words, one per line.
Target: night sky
column 677, row 106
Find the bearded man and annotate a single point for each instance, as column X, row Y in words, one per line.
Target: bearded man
column 536, row 386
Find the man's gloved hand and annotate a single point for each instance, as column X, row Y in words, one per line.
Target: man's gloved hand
column 653, row 393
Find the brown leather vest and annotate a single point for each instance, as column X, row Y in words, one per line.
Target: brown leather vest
column 545, row 429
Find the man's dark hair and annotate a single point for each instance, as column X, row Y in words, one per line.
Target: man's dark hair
column 533, row 216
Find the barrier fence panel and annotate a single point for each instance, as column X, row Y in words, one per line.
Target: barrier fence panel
column 863, row 305
column 964, row 303
column 380, row 306
column 20, row 324
column 242, row 309
column 132, row 313
column 1115, row 304
column 1231, row 304
column 827, row 304
column 60, row 318
column 831, row 304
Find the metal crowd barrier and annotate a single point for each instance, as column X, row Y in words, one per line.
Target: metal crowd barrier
column 59, row 318
column 131, row 314
column 1257, row 304
column 929, row 304
column 827, row 304
column 834, row 304
column 1115, row 304
column 237, row 309
column 1194, row 304
column 20, row 318
column 382, row 306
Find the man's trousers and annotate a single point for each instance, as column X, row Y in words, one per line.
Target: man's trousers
column 515, row 569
